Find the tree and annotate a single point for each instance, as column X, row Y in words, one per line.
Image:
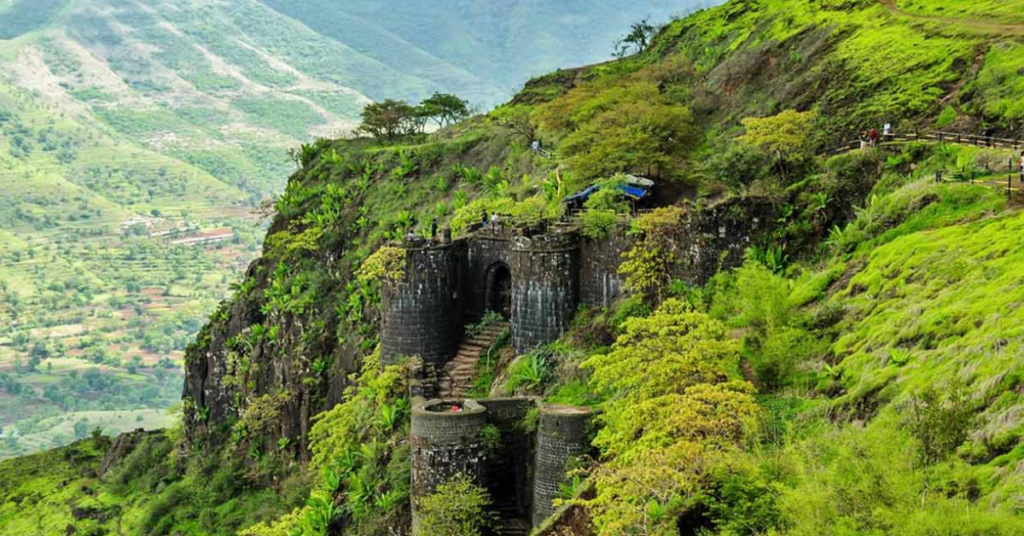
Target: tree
column 637, row 40
column 672, row 415
column 388, row 119
column 785, row 136
column 631, row 128
column 81, row 429
column 517, row 119
column 446, row 108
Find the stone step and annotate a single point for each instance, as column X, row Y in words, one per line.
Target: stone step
column 459, row 374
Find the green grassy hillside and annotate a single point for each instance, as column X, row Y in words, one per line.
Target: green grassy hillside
column 137, row 142
column 859, row 374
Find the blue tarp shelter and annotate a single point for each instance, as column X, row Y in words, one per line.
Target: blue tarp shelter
column 635, row 188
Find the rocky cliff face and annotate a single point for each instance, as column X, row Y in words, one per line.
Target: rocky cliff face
column 282, row 349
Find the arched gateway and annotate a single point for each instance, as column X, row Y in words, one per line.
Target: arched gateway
column 499, row 290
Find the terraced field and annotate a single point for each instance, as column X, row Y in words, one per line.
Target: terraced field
column 138, row 140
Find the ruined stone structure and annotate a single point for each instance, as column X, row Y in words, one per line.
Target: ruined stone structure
column 537, row 280
column 522, row 472
column 561, row 437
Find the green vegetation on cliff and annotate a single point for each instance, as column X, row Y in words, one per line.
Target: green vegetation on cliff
column 859, row 374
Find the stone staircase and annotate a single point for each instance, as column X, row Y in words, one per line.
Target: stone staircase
column 457, row 377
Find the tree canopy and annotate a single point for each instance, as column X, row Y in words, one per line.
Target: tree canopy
column 391, row 118
column 445, row 109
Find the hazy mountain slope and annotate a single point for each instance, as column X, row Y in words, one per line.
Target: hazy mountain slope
column 501, row 43
column 137, row 137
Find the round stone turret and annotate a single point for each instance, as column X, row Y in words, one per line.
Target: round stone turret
column 421, row 313
column 561, row 436
column 446, row 441
column 545, row 288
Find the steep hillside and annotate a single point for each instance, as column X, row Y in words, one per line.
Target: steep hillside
column 853, row 372
column 138, row 140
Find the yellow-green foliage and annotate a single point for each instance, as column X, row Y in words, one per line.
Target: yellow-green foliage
column 612, row 127
column 458, row 508
column 528, row 212
column 927, row 302
column 853, row 480
column 387, row 264
column 1000, row 81
column 785, row 135
column 360, row 452
column 261, row 416
column 672, row 413
column 647, row 265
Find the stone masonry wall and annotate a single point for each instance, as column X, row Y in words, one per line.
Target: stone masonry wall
column 561, row 436
column 422, row 315
column 488, row 248
column 716, row 238
column 508, row 469
column 445, row 444
column 545, row 288
column 600, row 282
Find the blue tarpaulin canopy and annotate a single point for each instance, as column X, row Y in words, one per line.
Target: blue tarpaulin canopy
column 582, row 196
column 635, row 190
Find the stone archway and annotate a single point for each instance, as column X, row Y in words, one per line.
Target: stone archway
column 499, row 290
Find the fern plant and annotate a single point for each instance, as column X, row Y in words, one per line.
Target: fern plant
column 530, row 374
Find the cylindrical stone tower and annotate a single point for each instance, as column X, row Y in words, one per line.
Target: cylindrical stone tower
column 545, row 288
column 561, row 436
column 446, row 441
column 421, row 316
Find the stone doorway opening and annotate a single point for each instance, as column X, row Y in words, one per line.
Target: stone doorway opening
column 499, row 290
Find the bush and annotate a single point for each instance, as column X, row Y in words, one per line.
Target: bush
column 738, row 165
column 598, row 224
column 672, row 412
column 458, row 508
column 940, row 420
column 530, row 373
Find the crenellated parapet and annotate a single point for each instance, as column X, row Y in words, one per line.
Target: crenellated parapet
column 534, row 279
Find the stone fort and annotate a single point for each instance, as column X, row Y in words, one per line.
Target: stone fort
column 537, row 279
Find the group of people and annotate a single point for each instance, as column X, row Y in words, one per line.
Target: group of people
column 869, row 138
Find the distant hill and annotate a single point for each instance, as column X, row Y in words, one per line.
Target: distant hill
column 137, row 138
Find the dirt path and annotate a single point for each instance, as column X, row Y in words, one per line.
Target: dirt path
column 974, row 24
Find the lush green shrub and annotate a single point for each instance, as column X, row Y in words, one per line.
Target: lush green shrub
column 530, row 373
column 458, row 508
column 671, row 412
column 598, row 224
column 737, row 165
column 940, row 419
